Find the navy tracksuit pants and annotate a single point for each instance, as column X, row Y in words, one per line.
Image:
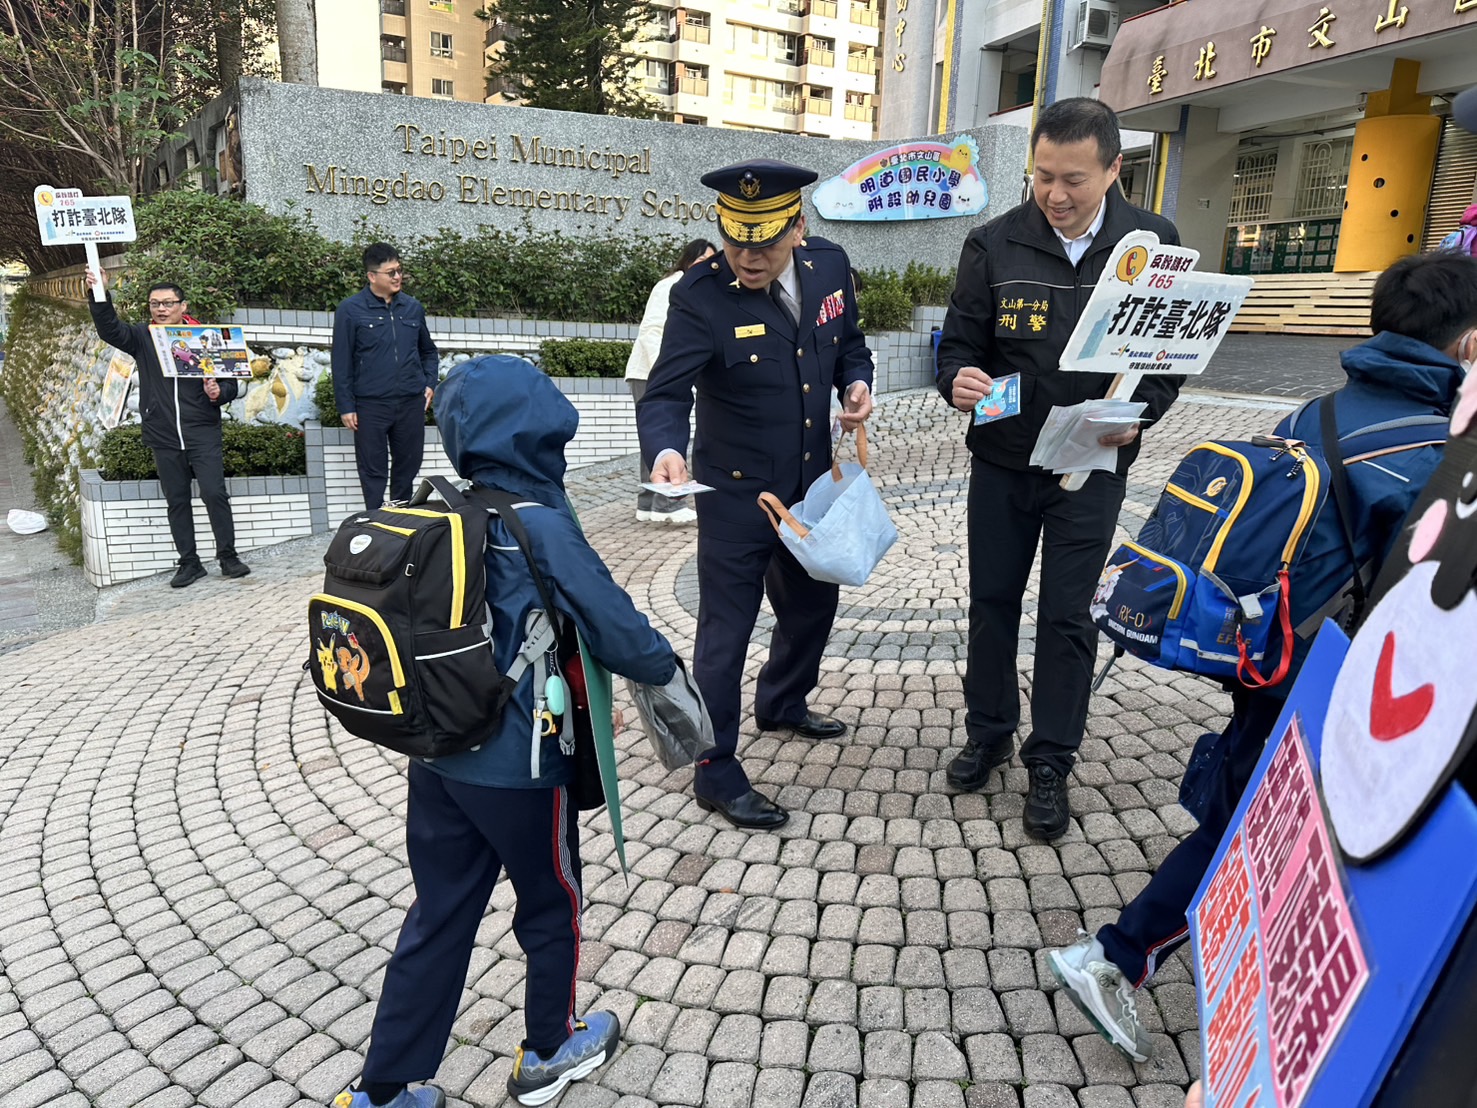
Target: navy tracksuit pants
column 458, row 837
column 1152, row 925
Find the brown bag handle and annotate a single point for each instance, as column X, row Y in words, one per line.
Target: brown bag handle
column 775, row 509
column 861, row 450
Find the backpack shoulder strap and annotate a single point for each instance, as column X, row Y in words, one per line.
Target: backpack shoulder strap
column 503, row 504
column 1343, row 498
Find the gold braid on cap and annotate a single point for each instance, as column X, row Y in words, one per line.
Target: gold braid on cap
column 745, row 221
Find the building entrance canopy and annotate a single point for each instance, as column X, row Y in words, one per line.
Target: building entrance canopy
column 1267, row 61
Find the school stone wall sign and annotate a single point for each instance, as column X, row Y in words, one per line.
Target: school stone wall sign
column 413, row 166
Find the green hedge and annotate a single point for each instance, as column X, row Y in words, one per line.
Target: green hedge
column 583, row 357
column 327, row 404
column 227, row 253
column 247, row 449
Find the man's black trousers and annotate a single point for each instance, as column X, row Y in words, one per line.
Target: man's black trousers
column 203, row 462
column 389, row 443
column 1009, row 512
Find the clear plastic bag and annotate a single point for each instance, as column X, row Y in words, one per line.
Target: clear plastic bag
column 674, row 717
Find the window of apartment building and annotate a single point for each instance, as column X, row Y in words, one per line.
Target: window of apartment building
column 789, row 7
column 442, row 87
column 696, row 26
column 397, row 87
column 392, row 49
column 859, row 106
column 1323, row 178
column 392, row 7
column 440, row 45
column 699, row 120
column 860, row 58
column 821, row 51
column 694, row 80
column 786, row 47
column 825, row 8
column 863, row 14
column 658, row 76
column 818, row 101
column 1251, row 187
column 783, row 97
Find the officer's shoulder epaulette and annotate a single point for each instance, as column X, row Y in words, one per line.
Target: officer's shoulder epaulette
column 815, row 243
column 702, row 271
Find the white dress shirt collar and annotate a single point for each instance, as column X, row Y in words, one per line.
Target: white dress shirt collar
column 1077, row 247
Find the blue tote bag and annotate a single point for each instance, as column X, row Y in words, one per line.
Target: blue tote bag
column 841, row 530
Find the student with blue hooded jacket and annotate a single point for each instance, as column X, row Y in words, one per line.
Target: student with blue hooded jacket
column 1424, row 316
column 505, row 426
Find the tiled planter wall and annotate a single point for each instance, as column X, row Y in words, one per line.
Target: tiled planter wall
column 125, row 532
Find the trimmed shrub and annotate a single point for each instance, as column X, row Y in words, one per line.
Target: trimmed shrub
column 324, row 400
column 584, row 357
column 247, row 450
column 884, row 304
column 928, row 285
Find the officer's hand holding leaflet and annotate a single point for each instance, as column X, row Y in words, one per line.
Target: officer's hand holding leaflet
column 970, row 387
column 669, row 469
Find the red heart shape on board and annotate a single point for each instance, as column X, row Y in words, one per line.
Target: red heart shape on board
column 1392, row 717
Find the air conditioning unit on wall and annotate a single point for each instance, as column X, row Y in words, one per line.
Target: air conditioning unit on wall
column 1096, row 24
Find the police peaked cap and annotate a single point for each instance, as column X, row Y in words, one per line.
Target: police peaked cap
column 758, row 201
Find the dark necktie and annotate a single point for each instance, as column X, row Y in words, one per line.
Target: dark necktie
column 778, row 294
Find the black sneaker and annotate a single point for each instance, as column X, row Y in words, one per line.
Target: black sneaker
column 972, row 766
column 187, row 574
column 1046, row 814
column 232, row 566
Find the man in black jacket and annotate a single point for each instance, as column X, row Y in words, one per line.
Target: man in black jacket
column 182, row 426
column 1023, row 281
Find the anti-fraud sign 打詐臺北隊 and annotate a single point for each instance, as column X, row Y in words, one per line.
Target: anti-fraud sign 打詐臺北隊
column 914, row 180
column 65, row 217
column 1150, row 311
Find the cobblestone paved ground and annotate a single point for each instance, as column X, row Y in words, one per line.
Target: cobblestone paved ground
column 203, row 881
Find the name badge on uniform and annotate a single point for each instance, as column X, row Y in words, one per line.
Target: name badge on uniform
column 752, row 331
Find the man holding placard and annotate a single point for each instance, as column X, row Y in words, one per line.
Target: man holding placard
column 1024, row 279
column 182, row 426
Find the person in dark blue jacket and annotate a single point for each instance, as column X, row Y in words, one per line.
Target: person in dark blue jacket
column 384, row 372
column 764, row 334
column 503, row 806
column 1424, row 315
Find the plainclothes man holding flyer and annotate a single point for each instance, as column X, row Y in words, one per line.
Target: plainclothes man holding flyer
column 385, row 368
column 1024, row 279
column 182, row 426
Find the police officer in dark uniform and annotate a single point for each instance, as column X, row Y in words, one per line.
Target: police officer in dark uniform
column 764, row 332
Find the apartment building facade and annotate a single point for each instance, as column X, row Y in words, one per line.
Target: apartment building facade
column 792, row 66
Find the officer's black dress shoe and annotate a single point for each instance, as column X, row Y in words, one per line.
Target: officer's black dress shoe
column 972, row 766
column 1046, row 815
column 753, row 810
column 813, row 726
column 187, row 574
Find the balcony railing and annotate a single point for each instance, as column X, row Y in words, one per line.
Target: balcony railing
column 818, row 56
column 693, row 86
column 696, row 32
column 863, row 113
column 391, row 53
column 817, row 107
column 863, row 16
column 861, row 63
column 826, row 8
column 392, row 7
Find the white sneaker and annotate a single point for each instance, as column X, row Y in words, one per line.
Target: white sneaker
column 681, row 515
column 1100, row 991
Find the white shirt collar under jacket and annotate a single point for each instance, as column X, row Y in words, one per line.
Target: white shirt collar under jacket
column 1075, row 248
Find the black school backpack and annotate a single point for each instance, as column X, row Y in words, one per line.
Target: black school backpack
column 400, row 649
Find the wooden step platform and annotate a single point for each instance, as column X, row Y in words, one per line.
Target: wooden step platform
column 1307, row 304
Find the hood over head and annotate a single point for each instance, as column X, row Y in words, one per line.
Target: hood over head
column 506, row 424
column 1413, row 369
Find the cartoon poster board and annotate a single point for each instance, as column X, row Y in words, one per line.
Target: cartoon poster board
column 1313, row 977
column 115, row 389
column 1404, row 712
column 912, row 180
column 201, row 350
column 1150, row 313
column 65, row 218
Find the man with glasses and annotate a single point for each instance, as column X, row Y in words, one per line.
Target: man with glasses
column 182, row 426
column 384, row 372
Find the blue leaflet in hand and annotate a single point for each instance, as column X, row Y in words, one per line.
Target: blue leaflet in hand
column 1002, row 401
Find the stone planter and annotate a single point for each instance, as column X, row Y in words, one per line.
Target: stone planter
column 125, row 531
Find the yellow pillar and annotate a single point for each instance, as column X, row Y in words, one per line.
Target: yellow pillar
column 1390, row 174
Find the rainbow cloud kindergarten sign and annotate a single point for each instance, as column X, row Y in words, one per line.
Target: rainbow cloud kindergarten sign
column 915, row 180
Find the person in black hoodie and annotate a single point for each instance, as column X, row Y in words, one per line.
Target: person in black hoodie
column 182, row 426
column 1024, row 279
